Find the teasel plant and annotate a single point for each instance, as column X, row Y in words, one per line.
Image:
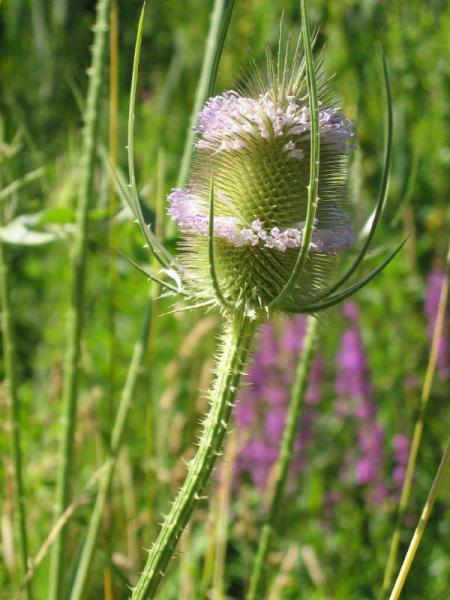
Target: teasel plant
column 265, row 220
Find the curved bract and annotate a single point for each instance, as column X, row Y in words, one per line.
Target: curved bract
column 256, row 145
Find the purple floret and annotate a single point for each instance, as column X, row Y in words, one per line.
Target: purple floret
column 191, row 214
column 228, row 121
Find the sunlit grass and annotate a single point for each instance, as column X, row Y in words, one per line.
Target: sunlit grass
column 139, row 385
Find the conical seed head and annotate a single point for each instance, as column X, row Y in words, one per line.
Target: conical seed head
column 255, row 148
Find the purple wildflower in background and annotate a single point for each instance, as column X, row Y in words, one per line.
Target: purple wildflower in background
column 434, row 285
column 401, row 445
column 367, row 463
column 354, row 398
column 261, row 410
column 352, row 382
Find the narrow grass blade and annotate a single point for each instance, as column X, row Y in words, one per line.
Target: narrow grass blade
column 314, row 160
column 223, row 517
column 418, row 432
column 406, row 566
column 75, row 320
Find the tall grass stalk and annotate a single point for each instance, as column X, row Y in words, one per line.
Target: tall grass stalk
column 418, row 432
column 218, row 525
column 235, row 346
column 110, row 400
column 223, row 517
column 85, row 561
column 406, row 566
column 284, row 459
column 9, row 359
column 113, row 204
column 220, row 20
column 75, row 317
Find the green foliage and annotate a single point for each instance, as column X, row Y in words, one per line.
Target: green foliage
column 43, row 72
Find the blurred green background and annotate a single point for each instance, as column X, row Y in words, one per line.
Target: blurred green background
column 44, row 54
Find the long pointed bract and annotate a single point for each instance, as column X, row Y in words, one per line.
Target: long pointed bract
column 381, row 198
column 337, row 298
column 155, row 246
column 314, row 160
column 212, row 266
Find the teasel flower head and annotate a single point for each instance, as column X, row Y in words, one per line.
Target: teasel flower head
column 253, row 155
column 265, row 215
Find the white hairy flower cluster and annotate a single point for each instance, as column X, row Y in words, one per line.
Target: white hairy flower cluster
column 190, row 213
column 227, row 121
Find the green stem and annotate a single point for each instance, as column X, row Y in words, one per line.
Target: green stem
column 81, row 576
column 284, row 459
column 417, row 435
column 236, row 341
column 14, row 402
column 220, row 20
column 440, row 476
column 75, row 317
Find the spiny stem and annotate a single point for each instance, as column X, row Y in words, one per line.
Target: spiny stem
column 14, row 404
column 236, row 340
column 284, row 459
column 84, row 564
column 75, row 318
column 418, row 431
column 220, row 20
column 406, row 566
column 113, row 204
